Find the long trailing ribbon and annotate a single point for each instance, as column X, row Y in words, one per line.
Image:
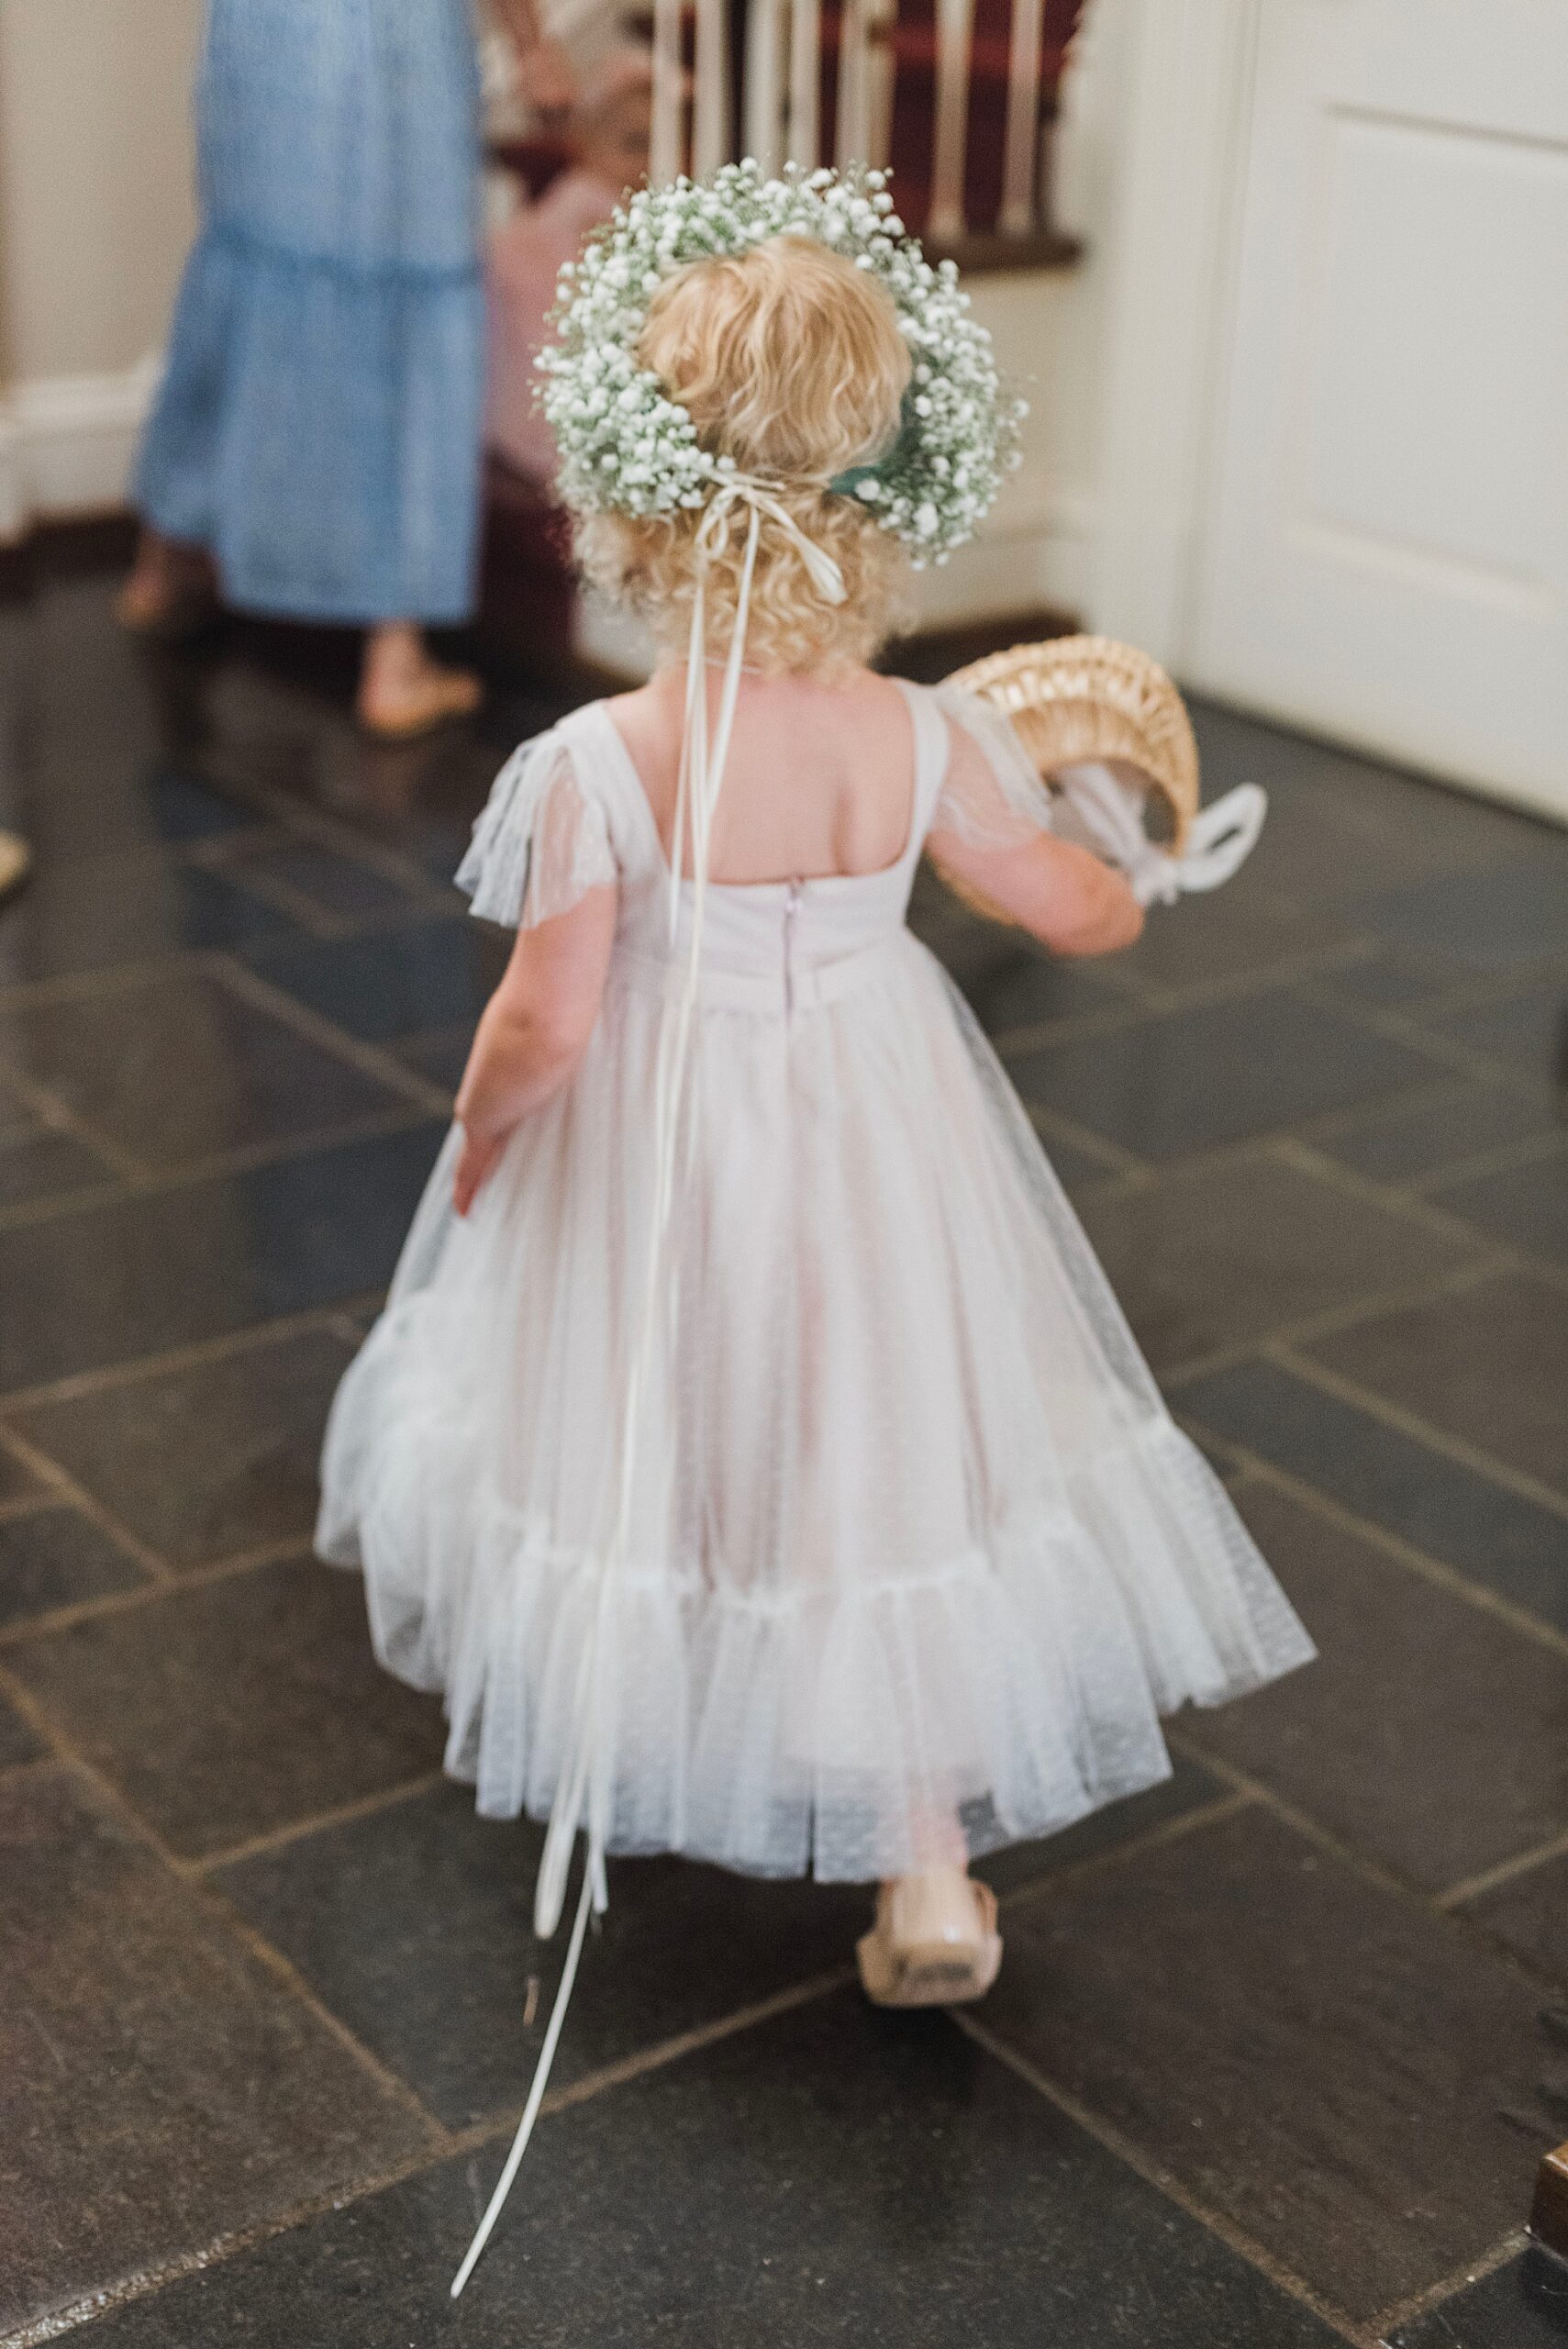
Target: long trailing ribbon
column 584, row 1784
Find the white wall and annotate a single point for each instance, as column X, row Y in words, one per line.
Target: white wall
column 96, row 219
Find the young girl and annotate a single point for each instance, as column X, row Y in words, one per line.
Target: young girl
column 752, row 1450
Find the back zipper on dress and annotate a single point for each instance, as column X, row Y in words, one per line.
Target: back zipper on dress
column 791, row 913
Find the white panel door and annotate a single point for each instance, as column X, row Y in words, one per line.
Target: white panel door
column 1385, row 554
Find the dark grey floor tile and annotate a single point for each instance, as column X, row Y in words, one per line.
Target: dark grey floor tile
column 1201, row 938
column 177, row 1066
column 1320, row 2060
column 1190, row 1788
column 421, row 976
column 1488, row 919
column 341, row 886
column 836, row 2175
column 1340, row 824
column 17, row 1742
column 1529, row 1030
column 1407, row 1141
column 161, row 1269
column 1076, row 1168
column 1521, row 2306
column 1188, row 1080
column 440, row 1058
column 161, row 2090
column 1440, row 1767
column 1213, row 1258
column 1389, row 979
column 1529, row 1911
column 1512, row 1546
column 1010, row 983
column 203, row 1462
column 1526, row 1205
column 1487, row 1364
column 55, row 1557
column 38, row 1162
column 415, row 1926
column 18, row 1481
column 236, row 1708
column 181, row 809
column 127, row 909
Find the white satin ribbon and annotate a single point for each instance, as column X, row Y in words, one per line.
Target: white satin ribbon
column 1105, row 814
column 587, row 1777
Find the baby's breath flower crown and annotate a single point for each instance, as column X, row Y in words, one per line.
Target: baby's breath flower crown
column 627, row 448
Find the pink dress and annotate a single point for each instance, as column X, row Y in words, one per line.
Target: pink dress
column 525, row 259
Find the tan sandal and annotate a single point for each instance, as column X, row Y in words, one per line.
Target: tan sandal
column 934, row 1944
column 398, row 714
column 16, row 861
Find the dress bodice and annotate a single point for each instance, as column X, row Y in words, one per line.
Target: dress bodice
column 765, row 944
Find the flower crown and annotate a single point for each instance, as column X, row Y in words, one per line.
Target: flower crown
column 628, row 448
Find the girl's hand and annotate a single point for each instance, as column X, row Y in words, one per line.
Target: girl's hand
column 474, row 1167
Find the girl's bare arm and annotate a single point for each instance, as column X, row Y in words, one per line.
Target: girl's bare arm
column 1060, row 893
column 534, row 1031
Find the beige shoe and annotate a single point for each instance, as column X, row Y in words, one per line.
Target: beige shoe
column 16, row 861
column 934, row 1944
column 398, row 713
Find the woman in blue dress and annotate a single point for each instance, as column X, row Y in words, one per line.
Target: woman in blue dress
column 315, row 447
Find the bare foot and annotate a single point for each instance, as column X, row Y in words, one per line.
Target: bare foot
column 403, row 692
column 15, row 861
column 172, row 590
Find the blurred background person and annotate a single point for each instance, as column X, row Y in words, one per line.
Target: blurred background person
column 607, row 136
column 314, row 453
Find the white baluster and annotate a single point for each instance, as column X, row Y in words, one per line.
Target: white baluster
column 805, row 77
column 1020, row 163
column 954, row 23
column 710, row 127
column 854, row 86
column 880, row 17
column 666, row 154
column 764, row 88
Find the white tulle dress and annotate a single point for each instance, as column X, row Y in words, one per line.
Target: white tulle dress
column 914, row 1534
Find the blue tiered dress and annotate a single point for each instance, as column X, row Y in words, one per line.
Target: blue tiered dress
column 318, row 424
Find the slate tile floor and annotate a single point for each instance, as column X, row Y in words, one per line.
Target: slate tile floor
column 1266, row 2067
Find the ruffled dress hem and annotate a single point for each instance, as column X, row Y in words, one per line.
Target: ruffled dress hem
column 1020, row 1684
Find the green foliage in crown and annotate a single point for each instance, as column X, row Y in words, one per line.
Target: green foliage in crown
column 626, row 447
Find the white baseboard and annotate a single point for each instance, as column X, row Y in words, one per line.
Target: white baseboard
column 68, row 442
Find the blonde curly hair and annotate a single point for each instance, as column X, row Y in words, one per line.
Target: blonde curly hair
column 789, row 359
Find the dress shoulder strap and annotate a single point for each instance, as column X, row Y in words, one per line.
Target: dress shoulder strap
column 932, row 749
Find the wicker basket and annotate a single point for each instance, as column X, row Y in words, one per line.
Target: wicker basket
column 1082, row 697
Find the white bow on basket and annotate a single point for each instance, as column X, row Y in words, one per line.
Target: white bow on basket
column 1104, row 812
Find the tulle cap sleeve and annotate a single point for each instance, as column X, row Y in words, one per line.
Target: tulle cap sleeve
column 542, row 841
column 991, row 796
